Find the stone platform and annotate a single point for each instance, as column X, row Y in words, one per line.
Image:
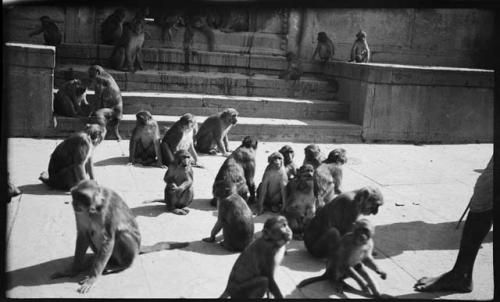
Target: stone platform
column 426, row 189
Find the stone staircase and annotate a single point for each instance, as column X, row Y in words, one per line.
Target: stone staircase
column 271, row 109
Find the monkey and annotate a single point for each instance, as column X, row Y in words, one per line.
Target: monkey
column 360, row 52
column 179, row 137
column 294, row 67
column 253, row 272
column 71, row 100
column 234, row 217
column 71, row 161
column 168, row 20
column 313, row 156
column 195, row 19
column 127, row 53
column 179, row 190
column 234, row 20
column 290, row 166
column 328, row 177
column 338, row 216
column 212, row 135
column 112, row 27
column 349, row 258
column 51, row 33
column 144, row 146
column 300, row 201
column 106, row 224
column 271, row 191
column 239, row 168
column 324, row 48
column 109, row 99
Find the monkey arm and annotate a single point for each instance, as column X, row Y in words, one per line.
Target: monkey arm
column 331, row 46
column 36, row 31
column 351, row 272
column 215, row 230
column 193, row 153
column 273, row 287
column 89, row 166
column 368, row 53
column 315, row 52
column 360, row 269
column 156, row 143
column 370, row 263
column 283, row 193
column 132, row 148
column 101, row 259
column 353, row 51
column 262, row 194
column 187, row 183
column 167, row 154
column 226, row 142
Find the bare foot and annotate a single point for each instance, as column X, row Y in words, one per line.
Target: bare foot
column 449, row 281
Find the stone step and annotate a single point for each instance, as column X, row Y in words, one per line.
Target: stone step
column 286, row 130
column 203, row 104
column 208, row 83
column 160, row 58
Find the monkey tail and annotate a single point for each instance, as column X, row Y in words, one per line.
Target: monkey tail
column 160, row 246
column 312, row 280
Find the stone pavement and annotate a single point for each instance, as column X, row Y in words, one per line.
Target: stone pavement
column 426, row 189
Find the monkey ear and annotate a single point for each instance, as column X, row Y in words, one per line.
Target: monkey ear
column 362, row 195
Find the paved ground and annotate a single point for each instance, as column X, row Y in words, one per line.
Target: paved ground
column 426, row 189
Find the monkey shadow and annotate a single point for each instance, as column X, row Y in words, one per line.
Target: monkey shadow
column 202, row 205
column 39, row 274
column 208, row 248
column 394, row 239
column 116, row 161
column 150, row 210
column 41, row 189
column 297, row 258
column 479, row 170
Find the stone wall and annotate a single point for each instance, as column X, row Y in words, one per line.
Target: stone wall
column 29, row 81
column 416, row 104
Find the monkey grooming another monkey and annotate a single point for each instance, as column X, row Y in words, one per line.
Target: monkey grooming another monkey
column 234, row 217
column 179, row 137
column 360, row 52
column 300, row 201
column 51, row 33
column 290, row 167
column 144, row 147
column 71, row 161
column 109, row 99
column 349, row 258
column 112, row 27
column 212, row 135
column 253, row 272
column 313, row 156
column 324, row 48
column 179, row 191
column 71, row 99
column 294, row 68
column 106, row 224
column 239, row 168
column 271, row 191
column 337, row 218
column 328, row 177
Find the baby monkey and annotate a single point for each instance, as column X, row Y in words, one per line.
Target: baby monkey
column 360, row 52
column 348, row 260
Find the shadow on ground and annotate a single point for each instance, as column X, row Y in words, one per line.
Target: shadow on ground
column 393, row 239
column 40, row 189
column 113, row 161
column 297, row 258
column 208, row 248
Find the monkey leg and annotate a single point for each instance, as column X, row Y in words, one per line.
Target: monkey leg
column 253, row 288
column 124, row 251
column 67, row 177
column 63, row 105
column 358, row 274
column 114, row 123
column 312, row 280
column 324, row 243
column 362, row 273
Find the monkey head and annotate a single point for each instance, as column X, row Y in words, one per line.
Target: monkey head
column 322, row 37
column 182, row 158
column 369, row 199
column 120, row 13
column 80, row 90
column 276, row 229
column 143, row 117
column 87, row 198
column 188, row 120
column 96, row 133
column 363, row 231
column 94, row 71
column 337, row 156
column 306, row 172
column 275, row 160
column 250, row 142
column 288, row 154
column 312, row 151
column 45, row 19
column 361, row 35
column 230, row 116
column 223, row 188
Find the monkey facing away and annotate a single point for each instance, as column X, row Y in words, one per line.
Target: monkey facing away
column 271, row 191
column 105, row 223
column 313, row 155
column 290, row 166
column 349, row 258
column 338, row 217
column 253, row 272
column 179, row 191
column 72, row 161
column 234, row 217
column 212, row 135
column 328, row 177
column 144, row 146
column 109, row 99
column 112, row 27
column 179, row 137
column 324, row 48
column 360, row 52
column 294, row 67
column 300, row 201
column 239, row 168
column 71, row 100
column 51, row 33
